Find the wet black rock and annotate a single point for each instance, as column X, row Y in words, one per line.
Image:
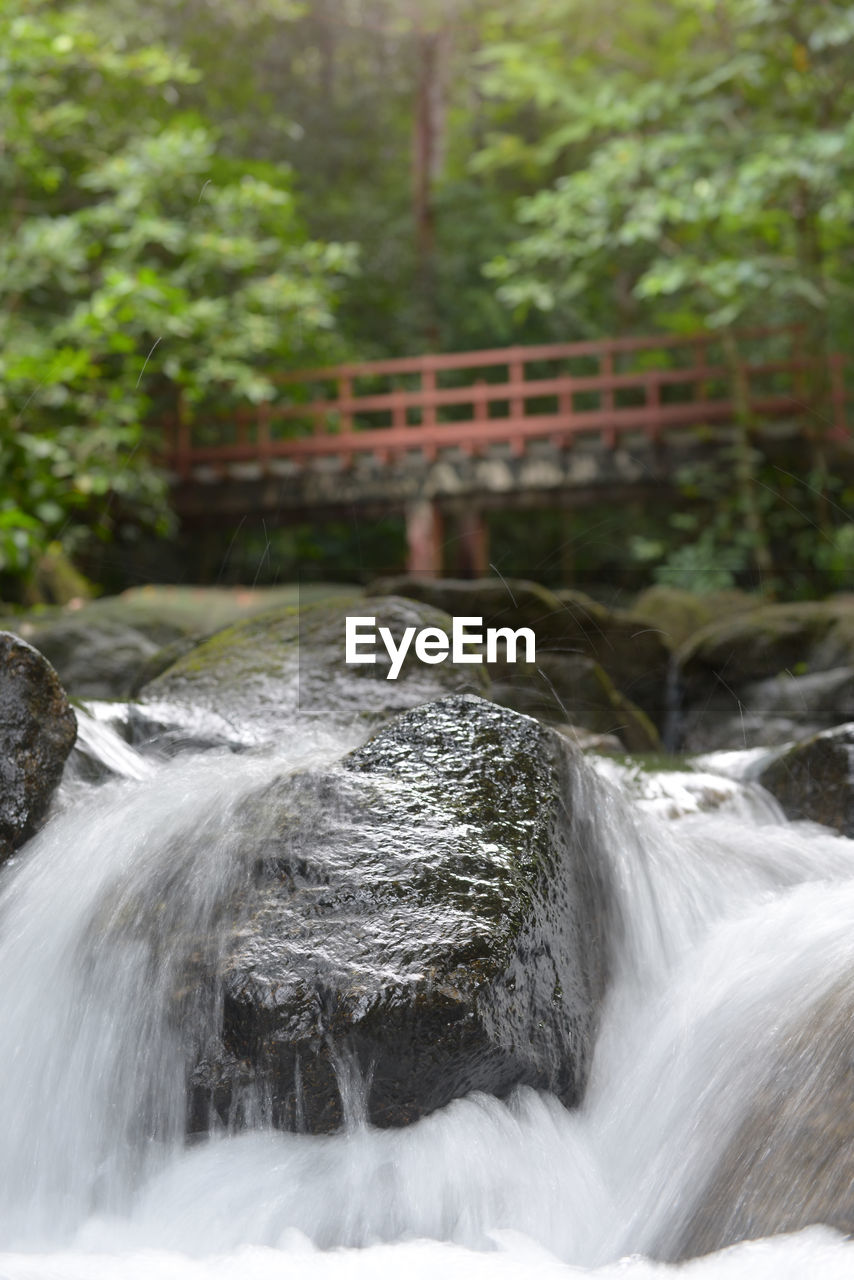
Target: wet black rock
column 430, row 917
column 37, row 731
column 815, row 779
column 247, row 681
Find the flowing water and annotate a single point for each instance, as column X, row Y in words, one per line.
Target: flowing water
column 734, row 925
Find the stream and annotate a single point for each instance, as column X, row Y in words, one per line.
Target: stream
column 736, row 925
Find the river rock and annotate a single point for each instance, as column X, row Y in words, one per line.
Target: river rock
column 634, row 654
column 245, row 682
column 94, row 657
column 767, row 675
column 762, row 642
column 107, row 648
column 37, row 731
column 815, row 779
column 571, row 688
column 428, row 918
column 680, row 614
column 791, row 1164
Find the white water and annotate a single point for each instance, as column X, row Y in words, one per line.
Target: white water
column 734, row 925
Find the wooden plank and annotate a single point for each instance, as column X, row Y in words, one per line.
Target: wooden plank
column 397, row 401
column 424, row 538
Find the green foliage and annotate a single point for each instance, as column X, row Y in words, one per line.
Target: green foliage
column 137, row 259
column 712, row 164
column 187, row 186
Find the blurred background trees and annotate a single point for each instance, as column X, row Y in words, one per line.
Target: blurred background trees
column 197, row 191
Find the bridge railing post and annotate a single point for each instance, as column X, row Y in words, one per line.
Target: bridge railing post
column 653, row 403
column 429, row 414
column 345, row 395
column 606, row 372
column 516, row 370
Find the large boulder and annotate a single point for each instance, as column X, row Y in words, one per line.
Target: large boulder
column 767, row 675
column 429, row 916
column 635, row 655
column 679, row 614
column 95, row 657
column 767, row 713
column 37, row 731
column 570, row 688
column 107, row 648
column 242, row 683
column 815, row 779
column 761, row 642
column 791, row 1163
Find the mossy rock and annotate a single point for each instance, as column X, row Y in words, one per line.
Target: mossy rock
column 761, row 642
column 433, row 912
column 573, row 689
column 634, row 655
column 681, row 614
column 815, row 779
column 252, row 678
column 108, row 648
column 37, row 731
column 677, row 614
column 56, row 580
column 512, row 602
column 94, row 659
column 734, row 673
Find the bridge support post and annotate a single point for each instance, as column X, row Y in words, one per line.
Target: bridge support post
column 424, row 538
column 474, row 544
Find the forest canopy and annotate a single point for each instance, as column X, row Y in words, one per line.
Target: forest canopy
column 199, row 192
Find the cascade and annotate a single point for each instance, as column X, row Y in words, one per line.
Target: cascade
column 735, row 927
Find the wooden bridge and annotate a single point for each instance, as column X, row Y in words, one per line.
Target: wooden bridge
column 460, row 433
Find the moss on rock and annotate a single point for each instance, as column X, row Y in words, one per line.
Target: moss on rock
column 634, row 655
column 255, row 675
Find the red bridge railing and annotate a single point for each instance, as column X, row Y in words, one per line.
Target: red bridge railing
column 475, row 399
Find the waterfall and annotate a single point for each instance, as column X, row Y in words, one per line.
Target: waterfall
column 730, row 928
